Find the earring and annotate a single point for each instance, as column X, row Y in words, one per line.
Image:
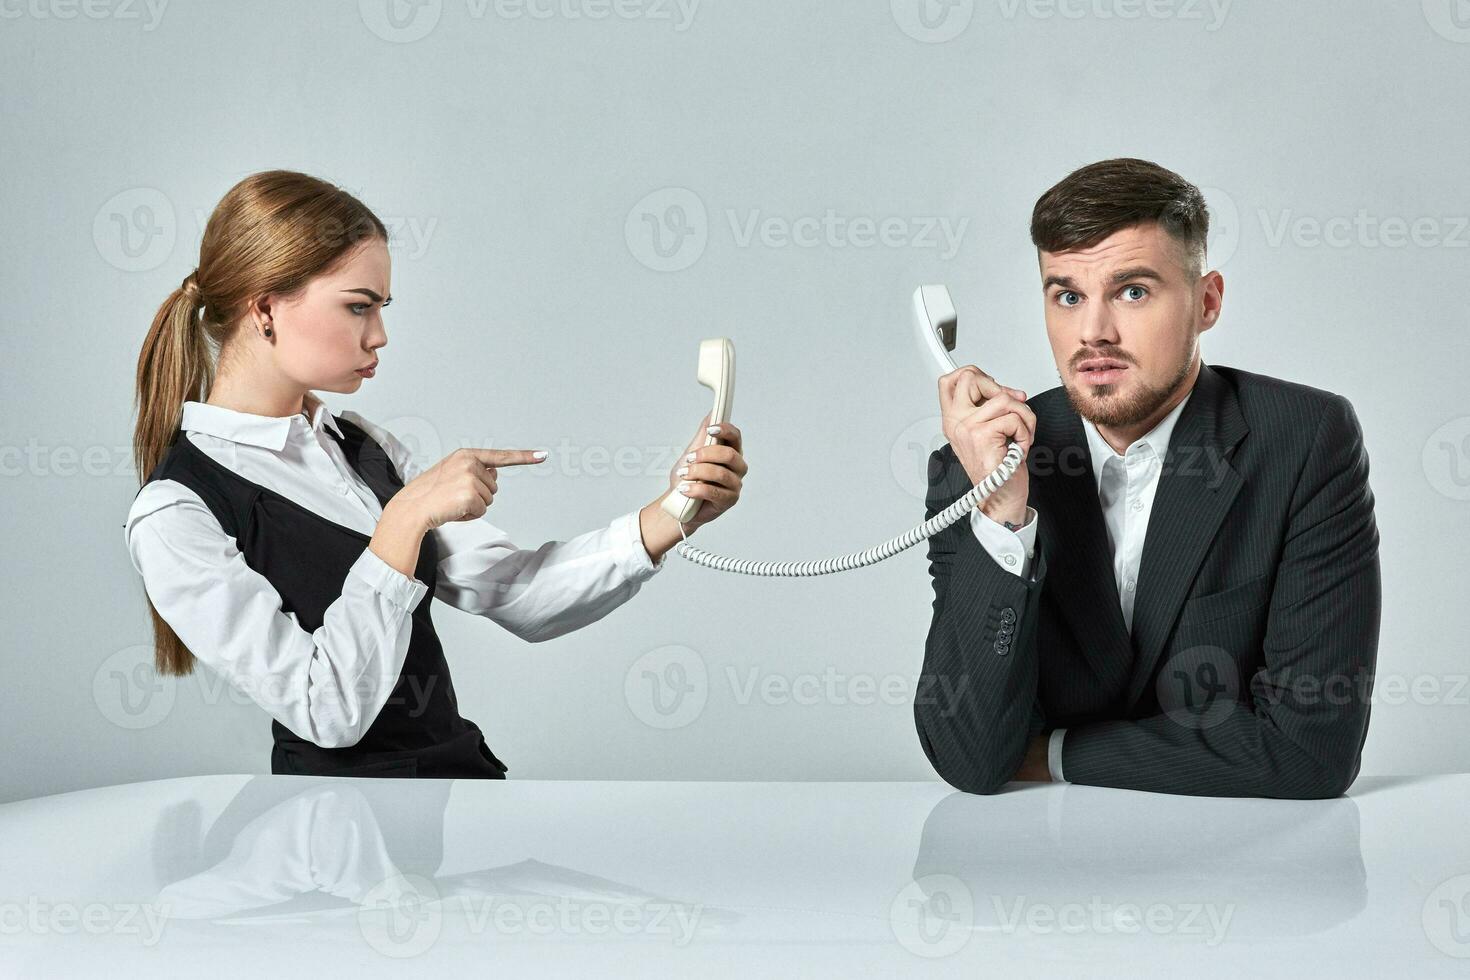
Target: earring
column 267, row 331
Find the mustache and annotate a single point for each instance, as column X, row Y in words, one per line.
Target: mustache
column 1090, row 355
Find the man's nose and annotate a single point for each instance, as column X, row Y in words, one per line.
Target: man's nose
column 1098, row 327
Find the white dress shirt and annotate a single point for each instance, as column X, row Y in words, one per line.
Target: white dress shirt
column 328, row 686
column 1126, row 485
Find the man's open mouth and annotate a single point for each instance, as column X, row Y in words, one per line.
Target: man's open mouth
column 1101, row 370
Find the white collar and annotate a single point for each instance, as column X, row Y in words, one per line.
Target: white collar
column 267, row 431
column 1156, row 438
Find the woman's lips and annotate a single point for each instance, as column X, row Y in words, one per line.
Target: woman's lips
column 367, row 372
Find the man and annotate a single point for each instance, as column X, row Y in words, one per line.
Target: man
column 1179, row 592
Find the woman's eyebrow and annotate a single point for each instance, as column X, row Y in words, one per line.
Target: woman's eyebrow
column 370, row 295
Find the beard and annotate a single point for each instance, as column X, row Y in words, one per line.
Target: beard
column 1106, row 405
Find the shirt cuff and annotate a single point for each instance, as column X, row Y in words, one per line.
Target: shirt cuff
column 1054, row 755
column 627, row 539
column 383, row 578
column 1013, row 550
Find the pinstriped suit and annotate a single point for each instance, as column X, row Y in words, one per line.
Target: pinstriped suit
column 1249, row 667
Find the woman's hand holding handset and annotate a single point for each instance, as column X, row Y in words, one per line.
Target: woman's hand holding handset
column 713, row 474
column 460, row 487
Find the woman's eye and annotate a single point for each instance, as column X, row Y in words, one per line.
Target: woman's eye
column 1061, row 297
column 1141, row 289
column 357, row 308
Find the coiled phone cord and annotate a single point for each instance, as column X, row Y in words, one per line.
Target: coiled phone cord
column 872, row 556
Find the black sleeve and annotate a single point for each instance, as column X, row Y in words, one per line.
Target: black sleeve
column 977, row 704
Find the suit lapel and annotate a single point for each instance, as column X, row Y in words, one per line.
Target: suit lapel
column 1074, row 540
column 1196, row 487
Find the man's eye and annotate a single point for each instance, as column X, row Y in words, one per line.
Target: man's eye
column 1141, row 289
column 1062, row 295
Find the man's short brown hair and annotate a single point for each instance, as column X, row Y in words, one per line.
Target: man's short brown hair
column 1101, row 198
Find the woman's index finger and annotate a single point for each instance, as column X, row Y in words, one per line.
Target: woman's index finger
column 509, row 457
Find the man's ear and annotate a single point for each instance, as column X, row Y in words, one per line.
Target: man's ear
column 1212, row 298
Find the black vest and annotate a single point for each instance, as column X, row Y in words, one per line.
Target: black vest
column 419, row 731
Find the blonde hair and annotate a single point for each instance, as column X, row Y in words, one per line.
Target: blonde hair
column 271, row 233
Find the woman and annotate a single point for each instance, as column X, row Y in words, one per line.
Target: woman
column 296, row 551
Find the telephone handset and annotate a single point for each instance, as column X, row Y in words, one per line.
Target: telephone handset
column 936, row 322
column 716, row 371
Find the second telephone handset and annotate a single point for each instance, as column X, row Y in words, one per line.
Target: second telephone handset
column 716, row 372
column 936, row 324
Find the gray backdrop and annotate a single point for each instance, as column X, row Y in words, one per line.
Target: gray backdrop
column 581, row 190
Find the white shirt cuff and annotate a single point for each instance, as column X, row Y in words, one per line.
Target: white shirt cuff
column 404, row 590
column 1013, row 550
column 628, row 539
column 1054, row 755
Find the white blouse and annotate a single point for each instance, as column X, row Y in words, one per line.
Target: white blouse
column 328, row 686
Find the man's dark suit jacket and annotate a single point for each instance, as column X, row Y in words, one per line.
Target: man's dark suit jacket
column 1249, row 667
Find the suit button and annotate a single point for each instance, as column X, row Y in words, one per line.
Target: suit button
column 1007, row 615
column 1002, row 647
column 1006, row 629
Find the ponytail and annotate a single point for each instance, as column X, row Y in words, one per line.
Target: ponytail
column 174, row 366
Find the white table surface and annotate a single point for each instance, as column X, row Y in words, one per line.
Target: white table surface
column 296, row 876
